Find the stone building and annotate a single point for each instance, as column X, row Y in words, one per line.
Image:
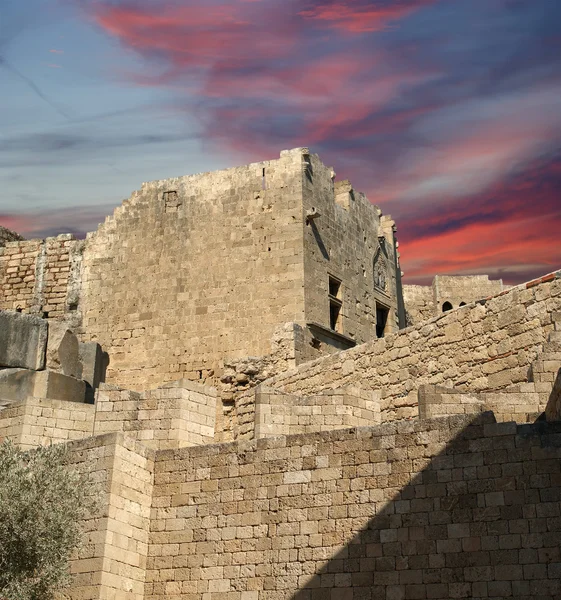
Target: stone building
column 446, row 292
column 417, row 463
column 274, row 259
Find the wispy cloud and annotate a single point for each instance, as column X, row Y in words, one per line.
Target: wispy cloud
column 431, row 107
column 77, row 221
column 53, row 51
column 363, row 16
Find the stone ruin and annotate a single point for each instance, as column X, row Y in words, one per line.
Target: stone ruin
column 332, row 459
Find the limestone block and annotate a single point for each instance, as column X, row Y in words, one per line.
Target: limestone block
column 49, row 384
column 92, row 359
column 23, row 340
column 63, row 354
column 18, row 384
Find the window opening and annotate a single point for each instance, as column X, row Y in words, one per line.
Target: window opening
column 446, row 306
column 381, row 319
column 335, row 304
column 462, row 303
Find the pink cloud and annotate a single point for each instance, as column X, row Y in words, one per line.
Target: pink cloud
column 53, row 51
column 370, row 17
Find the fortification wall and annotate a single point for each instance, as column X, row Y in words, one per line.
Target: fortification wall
column 445, row 293
column 195, row 269
column 436, row 509
column 457, row 289
column 7, row 235
column 42, row 277
column 419, row 303
column 486, row 346
column 112, row 560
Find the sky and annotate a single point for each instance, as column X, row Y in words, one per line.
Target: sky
column 446, row 113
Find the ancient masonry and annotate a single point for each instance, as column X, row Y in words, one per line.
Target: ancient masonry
column 228, row 361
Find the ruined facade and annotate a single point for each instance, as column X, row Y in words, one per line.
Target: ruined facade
column 378, row 472
column 445, row 293
column 193, row 272
column 422, row 464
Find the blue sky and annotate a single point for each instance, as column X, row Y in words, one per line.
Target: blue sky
column 446, row 113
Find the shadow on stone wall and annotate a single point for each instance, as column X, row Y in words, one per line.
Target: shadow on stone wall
column 482, row 520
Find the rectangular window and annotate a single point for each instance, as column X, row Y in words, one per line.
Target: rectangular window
column 381, row 319
column 335, row 304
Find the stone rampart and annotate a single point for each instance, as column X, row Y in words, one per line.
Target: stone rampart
column 486, row 346
column 277, row 413
column 180, row 414
column 445, row 293
column 41, row 277
column 7, row 235
column 447, row 508
column 112, row 560
column 40, row 421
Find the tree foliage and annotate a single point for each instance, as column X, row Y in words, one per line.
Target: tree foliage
column 41, row 503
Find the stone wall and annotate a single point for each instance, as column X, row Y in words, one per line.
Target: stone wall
column 112, row 560
column 458, row 290
column 448, row 508
column 182, row 414
column 194, row 272
column 287, row 414
column 487, row 346
column 7, row 235
column 343, row 243
column 39, row 422
column 445, row 293
column 195, row 269
column 419, row 303
column 41, row 277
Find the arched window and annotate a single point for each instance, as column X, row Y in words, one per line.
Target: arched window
column 446, row 306
column 462, row 303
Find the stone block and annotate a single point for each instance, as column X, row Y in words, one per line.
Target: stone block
column 94, row 363
column 49, row 384
column 23, row 341
column 18, row 384
column 63, row 354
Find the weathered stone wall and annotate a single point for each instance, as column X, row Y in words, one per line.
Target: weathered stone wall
column 445, row 293
column 195, row 269
column 39, row 422
column 419, row 303
column 182, row 414
column 42, row 277
column 457, row 289
column 287, row 414
column 430, row 509
column 343, row 243
column 194, row 272
column 112, row 560
column 483, row 347
column 171, row 417
column 7, row 235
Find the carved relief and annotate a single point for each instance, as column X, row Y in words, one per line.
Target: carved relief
column 381, row 273
column 380, row 265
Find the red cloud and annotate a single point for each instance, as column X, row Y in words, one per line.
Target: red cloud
column 366, row 18
column 259, row 77
column 514, row 223
column 501, row 249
